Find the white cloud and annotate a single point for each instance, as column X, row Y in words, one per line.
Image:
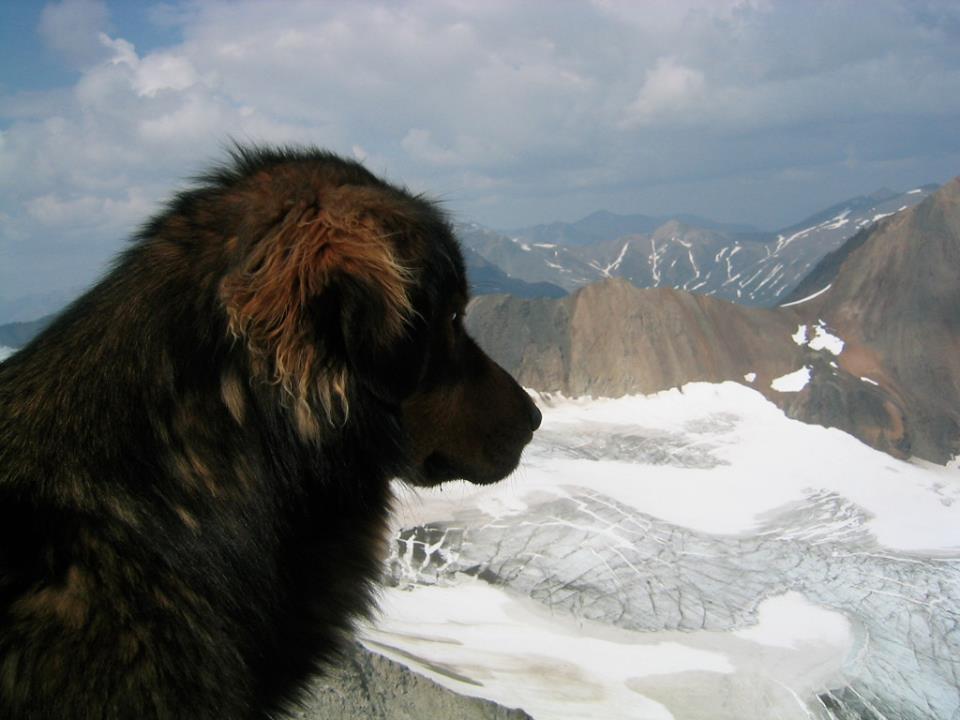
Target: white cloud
column 670, row 92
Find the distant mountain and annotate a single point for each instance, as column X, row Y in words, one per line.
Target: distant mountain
column 686, row 253
column 604, row 225
column 26, row 308
column 18, row 334
column 877, row 354
column 485, row 278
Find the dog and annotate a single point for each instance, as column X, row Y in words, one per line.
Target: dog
column 196, row 456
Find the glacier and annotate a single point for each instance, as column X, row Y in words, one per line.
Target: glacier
column 690, row 554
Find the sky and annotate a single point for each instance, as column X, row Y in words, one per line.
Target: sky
column 509, row 113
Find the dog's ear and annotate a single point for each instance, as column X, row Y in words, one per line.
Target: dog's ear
column 322, row 299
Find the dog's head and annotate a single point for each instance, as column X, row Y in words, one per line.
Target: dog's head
column 343, row 286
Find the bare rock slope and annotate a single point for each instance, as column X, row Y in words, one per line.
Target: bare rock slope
column 367, row 686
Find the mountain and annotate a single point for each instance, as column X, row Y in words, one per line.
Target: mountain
column 604, row 225
column 18, row 334
column 895, row 298
column 26, row 308
column 611, row 339
column 485, row 278
column 685, row 253
column 877, row 354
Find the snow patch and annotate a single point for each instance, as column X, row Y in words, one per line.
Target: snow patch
column 750, row 377
column 823, row 340
column 792, row 382
column 482, row 641
column 5, row 352
column 868, row 380
column 616, row 263
column 800, row 336
column 791, row 621
column 818, row 293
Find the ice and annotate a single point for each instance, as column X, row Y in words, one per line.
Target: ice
column 792, row 382
column 823, row 340
column 818, row 293
column 692, row 553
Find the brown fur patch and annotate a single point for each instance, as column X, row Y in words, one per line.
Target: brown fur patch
column 231, row 390
column 188, row 519
column 68, row 602
column 266, row 299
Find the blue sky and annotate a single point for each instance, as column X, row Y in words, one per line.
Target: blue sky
column 512, row 113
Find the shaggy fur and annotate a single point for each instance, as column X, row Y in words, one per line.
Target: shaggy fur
column 195, row 456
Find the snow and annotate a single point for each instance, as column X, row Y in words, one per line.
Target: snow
column 482, row 641
column 800, row 336
column 831, row 224
column 868, row 380
column 750, row 377
column 823, row 340
column 769, row 461
column 792, row 382
column 5, row 352
column 818, row 293
column 520, row 655
column 881, row 216
column 616, row 263
column 517, row 649
column 790, row 620
column 655, row 261
column 605, row 271
column 914, row 192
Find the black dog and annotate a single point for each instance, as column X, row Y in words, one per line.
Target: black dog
column 195, row 457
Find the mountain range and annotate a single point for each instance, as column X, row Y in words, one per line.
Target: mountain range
column 874, row 350
column 731, row 262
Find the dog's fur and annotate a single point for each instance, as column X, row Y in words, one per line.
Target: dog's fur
column 195, row 456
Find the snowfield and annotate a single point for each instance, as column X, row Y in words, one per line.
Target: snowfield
column 689, row 554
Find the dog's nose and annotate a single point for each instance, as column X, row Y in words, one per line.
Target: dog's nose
column 536, row 417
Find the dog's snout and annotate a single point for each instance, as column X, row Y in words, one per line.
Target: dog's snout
column 536, row 417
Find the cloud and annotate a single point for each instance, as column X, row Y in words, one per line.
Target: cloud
column 72, row 27
column 512, row 112
column 670, row 92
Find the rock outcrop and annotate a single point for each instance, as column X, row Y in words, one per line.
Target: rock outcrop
column 368, row 686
